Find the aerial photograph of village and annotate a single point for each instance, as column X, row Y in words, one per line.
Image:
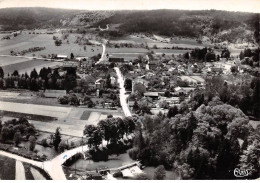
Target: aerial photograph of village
column 129, row 90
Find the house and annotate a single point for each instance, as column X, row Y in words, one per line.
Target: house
column 149, row 75
column 54, row 93
column 112, row 80
column 183, row 90
column 62, row 56
column 81, row 58
column 100, row 83
column 153, row 95
column 153, row 64
column 193, row 80
column 171, row 101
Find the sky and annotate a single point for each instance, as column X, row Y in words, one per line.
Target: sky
column 229, row 5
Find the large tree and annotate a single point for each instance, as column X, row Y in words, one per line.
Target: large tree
column 57, row 139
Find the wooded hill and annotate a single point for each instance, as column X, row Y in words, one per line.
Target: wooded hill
column 223, row 25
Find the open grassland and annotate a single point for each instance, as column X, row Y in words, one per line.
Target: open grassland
column 8, row 168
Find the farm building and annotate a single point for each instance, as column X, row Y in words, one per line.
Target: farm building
column 62, row 56
column 54, row 93
column 116, row 60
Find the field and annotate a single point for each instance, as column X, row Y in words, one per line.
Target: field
column 52, row 111
column 8, row 168
column 26, row 65
column 8, row 60
column 71, row 120
column 26, row 41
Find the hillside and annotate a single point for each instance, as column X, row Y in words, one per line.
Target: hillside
column 217, row 25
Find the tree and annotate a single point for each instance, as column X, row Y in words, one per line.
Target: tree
column 62, row 146
column 1, row 126
column 167, row 93
column 186, row 55
column 172, row 111
column 210, row 56
column 57, row 42
column 57, row 138
column 72, row 56
column 234, row 69
column 128, row 84
column 15, row 73
column 241, row 55
column 250, row 159
column 5, row 133
column 17, row 138
column 108, row 81
column 135, row 106
column 1, row 72
column 96, row 138
column 225, row 53
column 34, row 74
column 140, row 88
column 159, row 173
column 32, row 141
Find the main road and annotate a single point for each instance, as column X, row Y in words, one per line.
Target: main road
column 123, row 95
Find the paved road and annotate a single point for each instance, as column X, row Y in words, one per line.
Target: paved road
column 22, row 159
column 123, row 95
column 19, row 171
column 103, row 56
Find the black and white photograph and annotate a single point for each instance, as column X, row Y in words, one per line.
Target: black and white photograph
column 129, row 90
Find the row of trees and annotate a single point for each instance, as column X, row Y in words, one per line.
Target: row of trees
column 110, row 130
column 45, row 79
column 206, row 54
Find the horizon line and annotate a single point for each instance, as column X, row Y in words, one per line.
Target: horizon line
column 129, row 9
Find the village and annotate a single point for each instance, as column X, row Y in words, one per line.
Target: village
column 126, row 95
